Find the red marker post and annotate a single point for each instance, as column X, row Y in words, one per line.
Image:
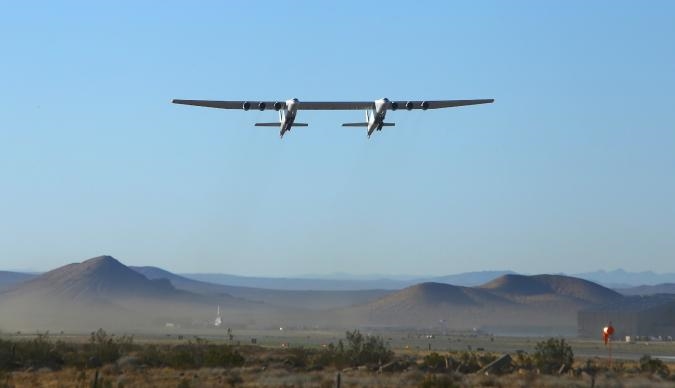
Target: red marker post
column 607, row 332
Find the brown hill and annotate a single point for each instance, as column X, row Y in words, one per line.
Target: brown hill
column 439, row 294
column 428, row 304
column 525, row 288
column 516, row 302
column 100, row 277
column 102, row 292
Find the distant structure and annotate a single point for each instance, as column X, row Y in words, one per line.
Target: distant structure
column 219, row 320
column 635, row 316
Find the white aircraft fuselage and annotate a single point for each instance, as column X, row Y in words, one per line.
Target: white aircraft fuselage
column 376, row 120
column 287, row 116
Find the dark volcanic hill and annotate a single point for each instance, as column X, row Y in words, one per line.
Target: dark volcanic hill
column 308, row 299
column 100, row 277
column 102, row 292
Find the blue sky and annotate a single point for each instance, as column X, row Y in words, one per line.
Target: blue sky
column 572, row 169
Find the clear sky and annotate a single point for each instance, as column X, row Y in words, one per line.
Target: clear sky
column 572, row 168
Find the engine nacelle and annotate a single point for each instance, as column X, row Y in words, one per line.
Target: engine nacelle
column 425, row 105
column 409, row 105
column 246, row 105
column 277, row 106
column 261, row 106
column 394, row 105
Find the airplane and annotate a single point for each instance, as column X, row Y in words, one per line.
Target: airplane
column 375, row 110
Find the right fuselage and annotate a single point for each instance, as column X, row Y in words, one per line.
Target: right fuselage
column 287, row 116
column 376, row 121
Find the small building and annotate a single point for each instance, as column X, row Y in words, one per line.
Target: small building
column 631, row 317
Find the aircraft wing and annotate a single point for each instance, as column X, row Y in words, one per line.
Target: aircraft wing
column 363, row 105
column 333, row 105
column 336, row 105
column 229, row 104
column 304, row 105
column 441, row 103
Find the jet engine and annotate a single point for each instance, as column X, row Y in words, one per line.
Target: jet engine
column 261, row 106
column 409, row 105
column 394, row 105
column 425, row 105
column 246, row 106
column 277, row 106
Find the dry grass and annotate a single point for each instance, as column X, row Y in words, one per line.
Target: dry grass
column 112, row 376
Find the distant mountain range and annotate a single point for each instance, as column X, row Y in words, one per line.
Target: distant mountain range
column 102, row 292
column 623, row 279
column 308, row 299
column 665, row 288
column 8, row 278
column 617, row 279
column 344, row 282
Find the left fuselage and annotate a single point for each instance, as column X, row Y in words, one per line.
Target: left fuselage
column 287, row 116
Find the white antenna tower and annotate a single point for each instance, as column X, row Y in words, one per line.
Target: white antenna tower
column 219, row 320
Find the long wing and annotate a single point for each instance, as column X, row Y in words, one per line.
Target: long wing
column 305, row 105
column 332, row 105
column 336, row 105
column 230, row 104
column 439, row 103
column 362, row 105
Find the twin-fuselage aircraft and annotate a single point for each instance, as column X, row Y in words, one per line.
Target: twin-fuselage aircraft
column 375, row 110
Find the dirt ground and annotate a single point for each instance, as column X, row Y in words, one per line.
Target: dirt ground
column 258, row 377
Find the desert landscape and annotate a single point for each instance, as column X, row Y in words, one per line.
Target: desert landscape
column 104, row 322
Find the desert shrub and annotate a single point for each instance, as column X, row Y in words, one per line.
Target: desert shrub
column 356, row 350
column 436, row 381
column 522, row 360
column 551, row 354
column 331, row 355
column 653, row 366
column 181, row 357
column 366, row 349
column 234, row 379
column 150, row 355
column 108, row 348
column 485, row 358
column 222, row 356
column 7, row 350
column 619, row 366
column 434, row 362
column 195, row 354
column 468, row 362
column 298, row 357
column 38, row 352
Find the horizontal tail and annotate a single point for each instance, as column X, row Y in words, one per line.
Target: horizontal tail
column 366, row 124
column 279, row 124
